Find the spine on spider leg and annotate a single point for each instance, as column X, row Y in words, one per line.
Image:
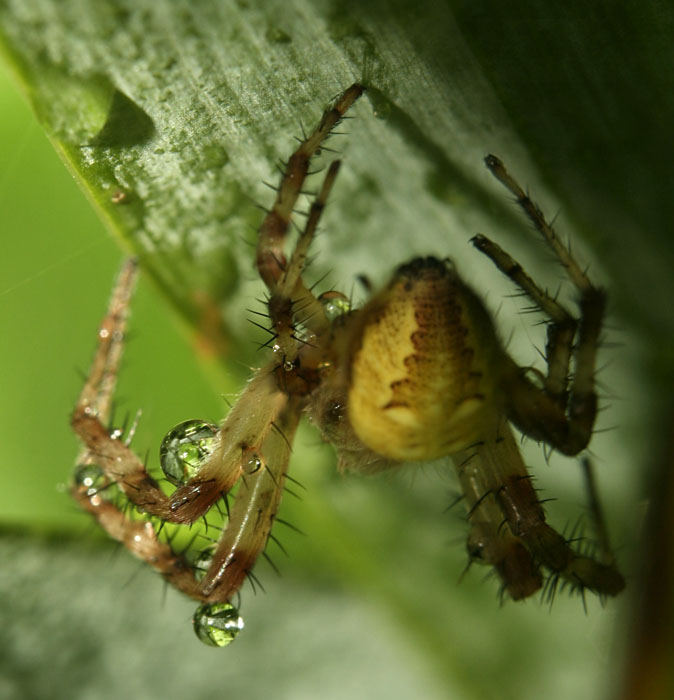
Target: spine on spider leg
column 270, row 255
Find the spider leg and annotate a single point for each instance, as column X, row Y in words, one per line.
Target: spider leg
column 271, row 259
column 493, row 471
column 255, row 506
column 562, row 412
column 245, row 428
column 293, row 270
column 489, row 542
column 261, row 422
column 243, row 432
column 561, row 330
column 291, row 293
column 597, row 515
column 104, row 456
column 102, row 450
column 98, row 390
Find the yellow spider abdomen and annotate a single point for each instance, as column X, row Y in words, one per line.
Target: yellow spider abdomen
column 421, row 376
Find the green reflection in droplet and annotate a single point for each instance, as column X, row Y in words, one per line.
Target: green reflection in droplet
column 202, row 562
column 89, row 476
column 185, row 448
column 335, row 304
column 217, row 624
column 251, row 463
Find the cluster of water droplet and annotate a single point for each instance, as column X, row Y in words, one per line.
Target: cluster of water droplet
column 185, row 448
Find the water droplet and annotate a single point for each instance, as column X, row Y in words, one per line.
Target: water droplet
column 185, row 448
column 217, row 624
column 251, row 463
column 89, row 476
column 335, row 304
column 382, row 107
column 202, row 562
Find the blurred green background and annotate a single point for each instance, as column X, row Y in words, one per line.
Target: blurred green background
column 369, row 603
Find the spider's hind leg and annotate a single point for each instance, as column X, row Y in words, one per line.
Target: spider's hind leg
column 562, row 411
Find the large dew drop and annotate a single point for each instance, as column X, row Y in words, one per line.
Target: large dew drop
column 217, row 624
column 185, row 448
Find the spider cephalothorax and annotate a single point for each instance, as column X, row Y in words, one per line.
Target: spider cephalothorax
column 416, row 374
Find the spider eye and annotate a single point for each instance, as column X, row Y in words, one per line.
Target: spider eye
column 217, row 624
column 185, row 448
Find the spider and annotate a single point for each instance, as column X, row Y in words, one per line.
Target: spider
column 416, row 374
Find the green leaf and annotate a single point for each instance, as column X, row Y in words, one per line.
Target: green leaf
column 171, row 115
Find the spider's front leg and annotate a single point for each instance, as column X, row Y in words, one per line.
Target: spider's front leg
column 287, row 293
column 563, row 410
column 202, row 484
column 111, row 483
column 204, row 462
column 105, row 462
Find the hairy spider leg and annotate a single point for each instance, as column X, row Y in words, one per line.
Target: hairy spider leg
column 98, row 390
column 287, row 383
column 504, row 478
column 292, row 296
column 255, row 438
column 570, row 412
column 271, row 259
column 104, row 458
column 596, row 513
column 244, row 430
column 489, row 541
column 252, row 515
column 563, row 417
column 284, row 282
column 102, row 449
